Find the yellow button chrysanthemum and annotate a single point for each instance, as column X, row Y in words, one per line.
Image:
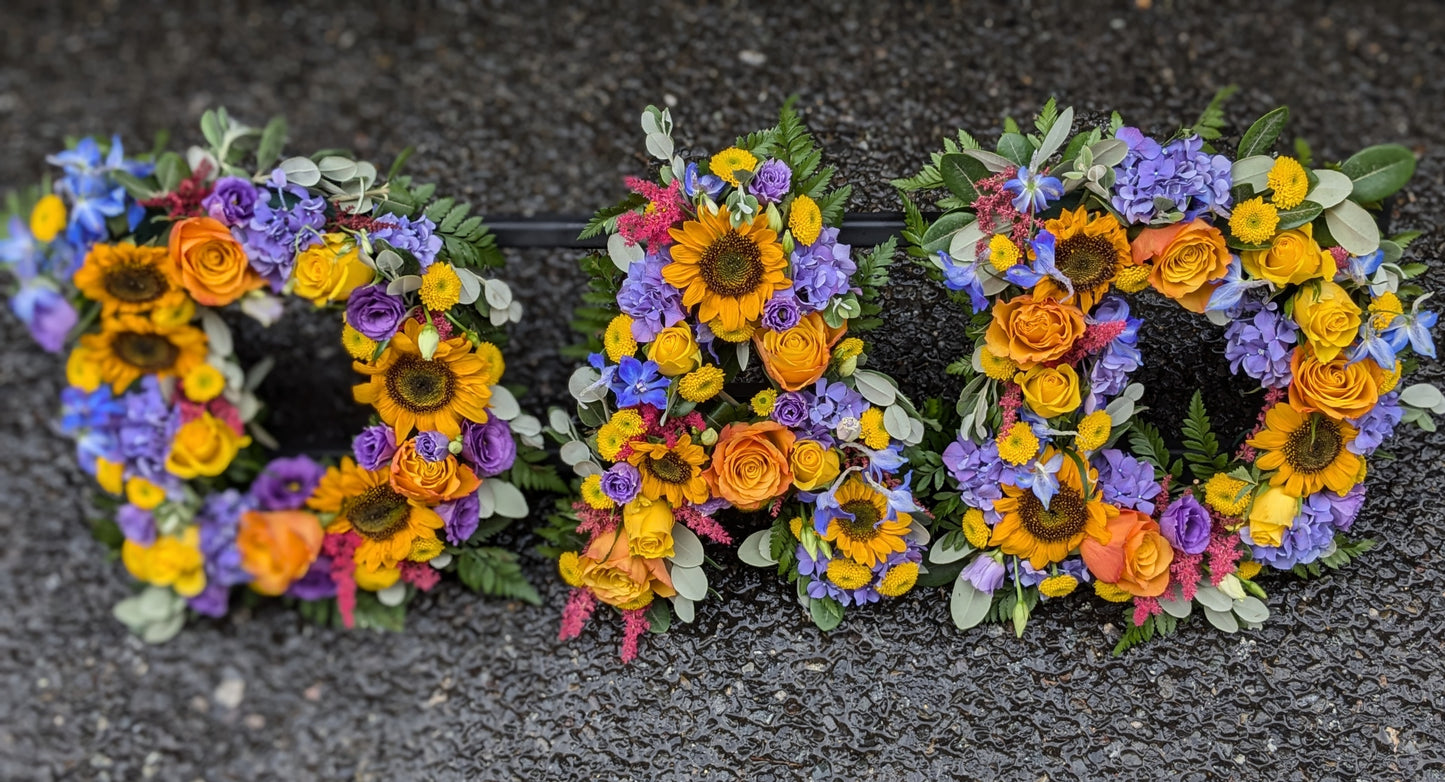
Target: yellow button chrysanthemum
column 1002, row 253
column 1248, row 570
column 1289, row 181
column 1226, row 495
column 618, row 340
column 628, row 422
column 763, row 401
column 1094, row 431
column 805, row 220
column 871, row 429
column 702, row 383
column 898, row 580
column 847, row 574
column 1000, row 368
column 975, row 528
column 1254, row 221
column 570, row 569
column 441, row 288
column 203, row 383
column 1132, row 279
column 1018, row 443
column 1059, row 585
column 1111, row 593
column 593, row 495
column 358, row 345
column 143, row 494
column 47, row 220
column 726, row 163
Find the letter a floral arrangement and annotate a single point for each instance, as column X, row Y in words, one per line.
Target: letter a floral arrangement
column 135, row 265
column 725, row 383
column 1052, row 482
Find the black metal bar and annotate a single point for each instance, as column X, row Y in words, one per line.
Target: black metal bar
column 859, row 228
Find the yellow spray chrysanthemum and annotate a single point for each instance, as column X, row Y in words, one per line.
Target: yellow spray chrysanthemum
column 796, row 527
column 425, row 549
column 851, row 347
column 1248, row 570
column 1290, row 183
column 143, row 494
column 1000, row 368
column 1254, row 221
column 610, row 441
column 1111, row 593
column 975, row 529
column 1002, row 253
column 1384, row 309
column 702, row 383
column 617, row 341
column 805, row 220
column 1018, row 443
column 847, row 574
column 628, row 421
column 110, row 475
column 724, row 164
column 1094, row 431
column 570, row 569
column 1391, row 379
column 47, row 219
column 898, row 580
column 871, row 429
column 1132, row 279
column 358, row 345
column 441, row 288
column 203, row 383
column 593, row 495
column 763, row 401
column 1060, row 585
column 1226, row 495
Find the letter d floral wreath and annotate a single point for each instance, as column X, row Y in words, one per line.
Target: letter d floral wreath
column 137, row 264
column 1045, row 238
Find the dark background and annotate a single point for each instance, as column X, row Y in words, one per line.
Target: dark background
column 533, row 108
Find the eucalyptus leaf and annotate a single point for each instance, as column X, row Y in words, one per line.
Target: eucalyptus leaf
column 685, row 609
column 503, row 404
column 558, row 419
column 1251, row 610
column 939, row 236
column 1252, row 171
column 388, row 262
column 509, row 499
column 963, row 247
column 827, row 613
column 486, row 501
column 1109, row 152
column 967, row 605
column 1330, row 188
column 686, row 548
column 994, row 162
column 876, row 388
column 336, row 168
column 1425, row 397
column 623, row 255
column 498, row 294
column 1353, row 227
column 393, row 595
column 301, row 171
column 1224, row 620
column 574, row 452
column 471, row 284
column 690, row 582
column 1213, row 599
column 897, row 423
column 942, row 555
column 753, row 546
column 1175, row 605
column 404, row 285
column 218, row 334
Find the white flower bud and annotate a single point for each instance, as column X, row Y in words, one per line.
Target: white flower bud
column 848, row 429
column 428, row 341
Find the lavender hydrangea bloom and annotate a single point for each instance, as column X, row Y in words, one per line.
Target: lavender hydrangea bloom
column 287, row 220
column 316, row 584
column 489, row 447
column 417, row 237
column 232, row 201
column 218, row 519
column 432, row 446
column 374, row 312
column 833, row 402
column 285, row 483
column 374, row 447
column 1186, row 525
column 460, row 518
column 138, row 525
column 821, row 271
column 985, row 573
column 1312, row 535
column 791, row 409
column 1127, row 482
column 781, row 312
column 653, row 304
column 1376, row 426
column 1261, row 346
column 1073, row 566
column 143, row 434
column 621, row 483
column 1180, row 172
column 213, row 601
column 771, row 181
column 1111, row 369
column 978, row 470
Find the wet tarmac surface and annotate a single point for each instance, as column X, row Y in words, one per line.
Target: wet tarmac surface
column 533, row 109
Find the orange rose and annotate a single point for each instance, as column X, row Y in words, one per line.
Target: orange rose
column 796, row 358
column 430, row 482
column 1293, row 257
column 1031, row 331
column 750, row 464
column 1335, row 388
column 212, row 265
column 278, row 547
column 1136, row 559
column 618, row 578
column 1187, row 256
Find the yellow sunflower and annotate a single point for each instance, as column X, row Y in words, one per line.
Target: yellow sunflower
column 130, row 346
column 1089, row 251
column 672, row 473
column 410, row 392
column 1307, row 451
column 1046, row 535
column 870, row 536
column 127, row 279
column 728, row 273
column 392, row 527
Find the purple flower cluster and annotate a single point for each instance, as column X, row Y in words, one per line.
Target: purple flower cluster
column 460, row 518
column 830, row 404
column 137, row 524
column 1127, row 482
column 985, row 573
column 92, row 420
column 653, row 304
column 1261, row 346
column 374, row 312
column 1376, row 426
column 781, row 312
column 286, row 483
column 417, row 237
column 374, row 447
column 143, row 434
column 1313, row 532
column 286, row 220
column 821, row 271
column 1180, row 172
column 978, row 470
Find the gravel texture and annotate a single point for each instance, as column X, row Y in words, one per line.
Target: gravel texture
column 532, row 108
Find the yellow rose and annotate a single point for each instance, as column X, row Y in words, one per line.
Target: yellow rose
column 212, row 265
column 1328, row 317
column 1187, row 256
column 618, row 578
column 1051, row 391
column 430, row 482
column 1293, row 257
column 675, row 351
column 1031, row 332
column 330, row 271
column 171, row 561
column 814, row 465
column 204, row 446
column 1274, row 512
column 750, row 464
column 1336, row 388
column 796, row 358
column 278, row 547
column 649, row 528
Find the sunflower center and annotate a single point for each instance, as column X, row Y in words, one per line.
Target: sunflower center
column 377, row 513
column 1314, row 446
column 135, row 283
column 1088, row 261
column 732, row 265
column 420, row 386
column 865, row 517
column 671, row 468
column 1062, row 520
column 146, row 352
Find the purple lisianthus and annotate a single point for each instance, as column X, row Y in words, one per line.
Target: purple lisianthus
column 460, row 518
column 781, row 312
column 218, row 520
column 213, row 601
column 791, row 409
column 621, row 483
column 417, row 237
column 489, row 447
column 652, row 303
column 771, row 181
column 1127, row 482
column 285, row 483
column 978, row 470
column 374, row 312
column 316, row 584
column 1376, row 426
column 1180, row 173
column 374, row 447
column 821, row 271
column 1186, row 525
column 1261, row 346
column 985, row 573
column 432, row 446
column 232, row 201
column 46, row 312
column 287, row 220
column 1312, row 535
column 138, row 525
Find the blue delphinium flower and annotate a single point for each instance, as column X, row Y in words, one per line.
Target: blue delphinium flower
column 91, row 191
column 1413, row 329
column 638, row 383
column 1261, row 346
column 1110, row 372
column 1374, row 346
column 1361, row 268
column 1033, row 191
column 1040, row 477
column 1229, row 293
column 964, row 277
column 694, row 183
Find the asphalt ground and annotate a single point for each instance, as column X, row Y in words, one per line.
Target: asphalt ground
column 532, row 108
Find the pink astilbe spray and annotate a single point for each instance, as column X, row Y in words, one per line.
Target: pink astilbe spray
column 594, row 522
column 994, row 205
column 420, row 575
column 634, row 625
column 1184, row 571
column 1223, row 552
column 702, row 524
column 1341, row 256
column 1163, row 502
column 1145, row 607
column 342, row 550
column 219, row 408
column 1095, row 338
column 580, row 605
column 1010, row 401
column 664, row 209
